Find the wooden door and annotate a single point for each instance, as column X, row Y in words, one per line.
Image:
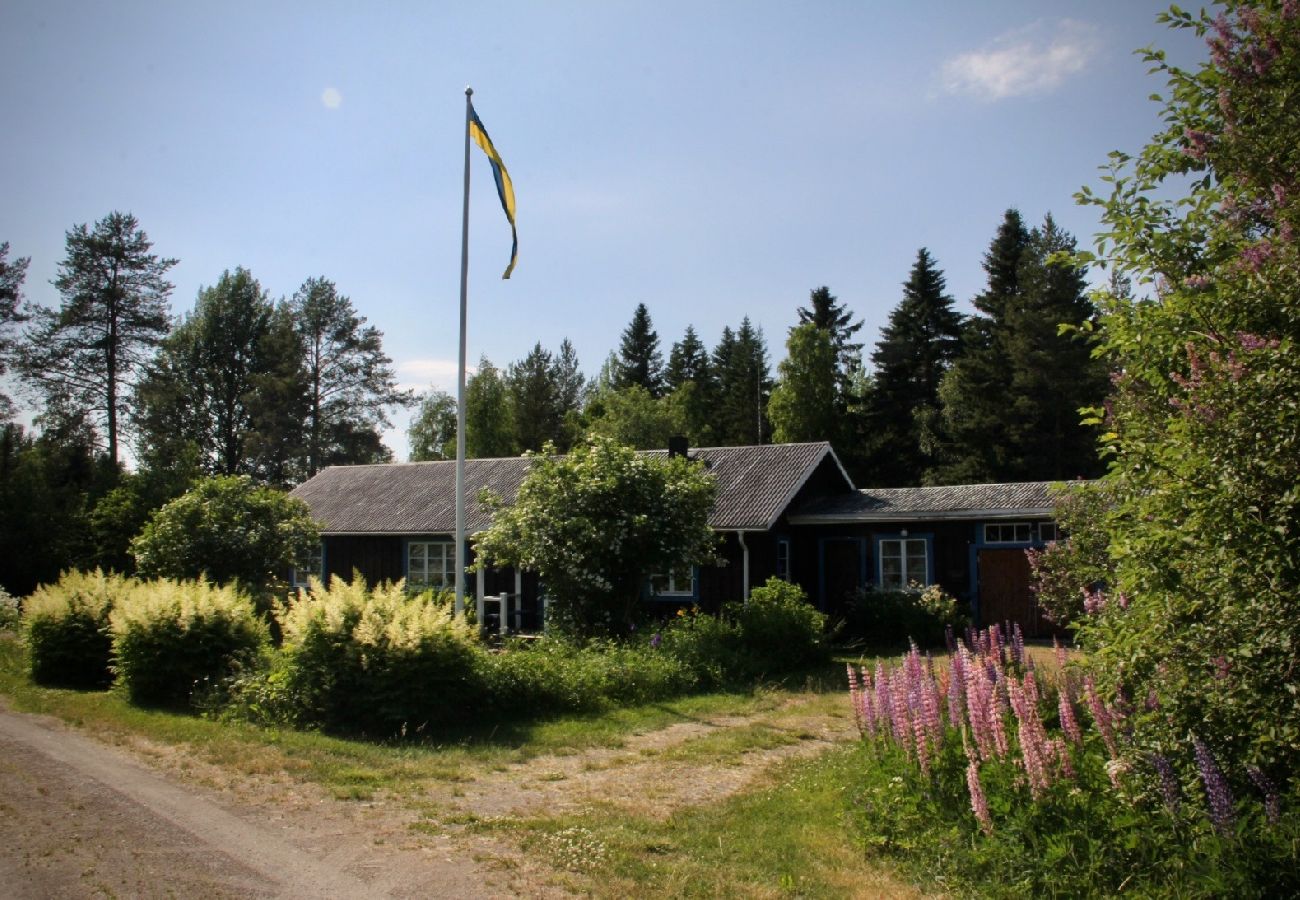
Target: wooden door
column 1005, row 594
column 842, row 566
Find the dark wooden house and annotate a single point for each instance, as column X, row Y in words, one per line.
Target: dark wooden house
column 784, row 510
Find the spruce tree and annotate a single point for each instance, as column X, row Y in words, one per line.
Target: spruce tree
column 535, row 398
column 572, row 387
column 690, row 378
column 640, row 361
column 743, row 374
column 828, row 314
column 914, row 351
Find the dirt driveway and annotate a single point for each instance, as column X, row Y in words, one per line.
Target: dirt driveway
column 79, row 818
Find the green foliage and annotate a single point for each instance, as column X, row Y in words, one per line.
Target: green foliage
column 1204, row 423
column 805, row 404
column 66, row 627
column 376, row 662
column 1066, row 569
column 489, row 416
column 172, row 638
column 10, row 611
column 890, row 619
column 12, row 275
column 596, row 524
column 227, row 529
column 779, row 629
column 743, row 375
column 544, row 677
column 631, row 417
column 432, row 432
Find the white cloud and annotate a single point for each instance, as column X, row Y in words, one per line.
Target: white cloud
column 419, row 374
column 1031, row 60
column 330, row 98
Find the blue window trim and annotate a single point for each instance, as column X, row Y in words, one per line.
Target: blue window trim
column 927, row 536
column 693, row 596
column 784, row 541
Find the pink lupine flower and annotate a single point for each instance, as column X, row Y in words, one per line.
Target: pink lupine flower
column 1062, row 753
column 1069, row 724
column 1017, row 644
column 1101, row 716
column 1031, row 745
column 956, row 689
column 978, row 803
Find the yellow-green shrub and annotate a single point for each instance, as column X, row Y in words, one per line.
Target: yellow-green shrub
column 170, row 637
column 66, row 626
column 376, row 661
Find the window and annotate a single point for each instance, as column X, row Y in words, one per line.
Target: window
column 783, row 559
column 430, row 564
column 903, row 561
column 1008, row 533
column 312, row 566
column 1048, row 532
column 678, row 583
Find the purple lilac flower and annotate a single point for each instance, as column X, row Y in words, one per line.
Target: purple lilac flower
column 1272, row 799
column 1169, row 790
column 1217, row 794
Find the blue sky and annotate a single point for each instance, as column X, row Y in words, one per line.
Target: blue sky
column 710, row 159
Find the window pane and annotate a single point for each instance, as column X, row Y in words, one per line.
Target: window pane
column 891, row 572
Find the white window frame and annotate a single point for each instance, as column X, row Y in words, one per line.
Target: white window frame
column 901, row 546
column 998, row 528
column 428, row 576
column 671, row 584
column 315, row 567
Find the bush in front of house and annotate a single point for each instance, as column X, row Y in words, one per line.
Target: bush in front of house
column 889, row 619
column 173, row 637
column 554, row 676
column 67, row 631
column 377, row 662
column 779, row 629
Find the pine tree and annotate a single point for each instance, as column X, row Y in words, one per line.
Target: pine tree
column 350, row 381
column 914, row 351
column 12, row 275
column 114, row 312
column 640, row 361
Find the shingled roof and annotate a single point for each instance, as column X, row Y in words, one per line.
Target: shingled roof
column 754, row 484
column 964, row 501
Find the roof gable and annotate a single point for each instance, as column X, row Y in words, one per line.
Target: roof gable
column 754, row 487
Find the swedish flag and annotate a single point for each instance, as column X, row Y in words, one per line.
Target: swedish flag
column 505, row 189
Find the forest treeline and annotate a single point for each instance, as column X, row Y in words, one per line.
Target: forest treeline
column 244, row 384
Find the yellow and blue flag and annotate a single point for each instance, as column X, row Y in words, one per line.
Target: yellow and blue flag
column 505, row 189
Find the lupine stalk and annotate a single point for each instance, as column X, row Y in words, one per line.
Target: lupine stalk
column 1169, row 790
column 1217, row 794
column 978, row 803
column 1272, row 799
column 1100, row 715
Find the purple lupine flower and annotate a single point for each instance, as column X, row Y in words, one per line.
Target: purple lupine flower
column 1272, row 799
column 656, row 639
column 1217, row 794
column 1032, row 739
column 1169, row 789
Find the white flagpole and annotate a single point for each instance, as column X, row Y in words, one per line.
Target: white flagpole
column 460, row 379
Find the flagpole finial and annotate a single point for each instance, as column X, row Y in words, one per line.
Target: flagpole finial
column 469, row 91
